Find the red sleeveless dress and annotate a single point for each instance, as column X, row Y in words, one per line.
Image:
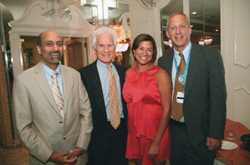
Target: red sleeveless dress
column 142, row 96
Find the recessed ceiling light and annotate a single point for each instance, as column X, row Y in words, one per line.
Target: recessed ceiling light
column 194, row 12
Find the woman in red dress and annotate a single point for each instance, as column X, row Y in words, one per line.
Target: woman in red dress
column 147, row 91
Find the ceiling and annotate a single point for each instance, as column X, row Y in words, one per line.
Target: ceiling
column 211, row 8
column 19, row 6
column 207, row 11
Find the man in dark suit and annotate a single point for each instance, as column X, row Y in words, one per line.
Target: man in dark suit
column 108, row 141
column 199, row 96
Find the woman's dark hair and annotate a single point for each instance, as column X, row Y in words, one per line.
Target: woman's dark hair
column 145, row 37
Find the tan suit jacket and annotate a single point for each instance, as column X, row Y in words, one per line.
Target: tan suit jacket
column 40, row 125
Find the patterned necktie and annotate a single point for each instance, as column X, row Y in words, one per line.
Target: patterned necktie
column 57, row 93
column 113, row 100
column 177, row 107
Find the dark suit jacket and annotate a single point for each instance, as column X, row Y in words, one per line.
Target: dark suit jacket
column 204, row 105
column 101, row 127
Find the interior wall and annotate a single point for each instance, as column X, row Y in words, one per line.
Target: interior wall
column 147, row 20
column 141, row 18
column 235, row 39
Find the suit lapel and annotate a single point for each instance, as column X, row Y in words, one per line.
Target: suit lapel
column 192, row 64
column 44, row 86
column 67, row 86
column 98, row 89
column 170, row 63
column 121, row 76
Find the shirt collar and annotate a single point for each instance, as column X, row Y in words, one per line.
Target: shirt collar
column 102, row 65
column 186, row 52
column 50, row 71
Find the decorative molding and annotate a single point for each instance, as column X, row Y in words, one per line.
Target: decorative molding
column 241, row 34
column 34, row 21
column 244, row 89
column 242, row 65
column 236, row 62
column 147, row 3
column 162, row 3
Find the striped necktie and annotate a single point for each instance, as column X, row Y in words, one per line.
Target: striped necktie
column 177, row 107
column 57, row 93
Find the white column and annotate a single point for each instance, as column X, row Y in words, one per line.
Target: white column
column 16, row 52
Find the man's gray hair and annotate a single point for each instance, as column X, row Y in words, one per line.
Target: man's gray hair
column 178, row 13
column 103, row 30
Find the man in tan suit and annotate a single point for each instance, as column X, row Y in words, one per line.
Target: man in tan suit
column 52, row 115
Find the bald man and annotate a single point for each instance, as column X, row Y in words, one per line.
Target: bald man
column 52, row 108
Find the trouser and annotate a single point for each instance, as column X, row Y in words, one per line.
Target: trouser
column 183, row 152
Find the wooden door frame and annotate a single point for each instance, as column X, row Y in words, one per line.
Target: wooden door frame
column 6, row 129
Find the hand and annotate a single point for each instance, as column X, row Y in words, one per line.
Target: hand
column 213, row 144
column 153, row 150
column 61, row 158
column 76, row 152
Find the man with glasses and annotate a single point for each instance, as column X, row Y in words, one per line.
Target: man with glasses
column 198, row 109
column 52, row 108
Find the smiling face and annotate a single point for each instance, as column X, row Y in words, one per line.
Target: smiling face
column 51, row 48
column 144, row 53
column 105, row 48
column 179, row 31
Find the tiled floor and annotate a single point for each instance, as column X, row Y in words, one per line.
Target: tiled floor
column 18, row 156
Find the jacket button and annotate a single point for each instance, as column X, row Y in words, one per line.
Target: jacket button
column 64, row 138
column 60, row 122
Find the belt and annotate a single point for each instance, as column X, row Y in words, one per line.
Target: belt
column 177, row 123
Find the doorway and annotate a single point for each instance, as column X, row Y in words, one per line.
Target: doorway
column 75, row 53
